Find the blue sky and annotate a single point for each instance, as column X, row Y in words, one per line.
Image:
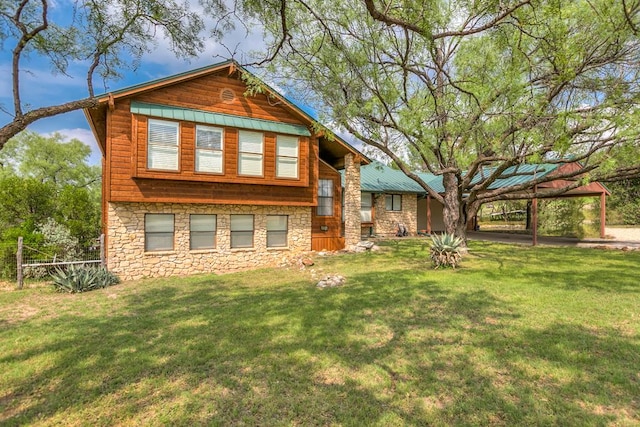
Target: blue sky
column 40, row 87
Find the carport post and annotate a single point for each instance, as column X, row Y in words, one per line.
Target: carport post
column 428, row 214
column 603, row 214
column 534, row 219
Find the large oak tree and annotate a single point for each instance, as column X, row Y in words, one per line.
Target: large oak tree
column 470, row 89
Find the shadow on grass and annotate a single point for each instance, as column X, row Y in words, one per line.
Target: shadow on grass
column 392, row 347
column 568, row 268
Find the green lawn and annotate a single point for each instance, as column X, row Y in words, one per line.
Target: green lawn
column 517, row 336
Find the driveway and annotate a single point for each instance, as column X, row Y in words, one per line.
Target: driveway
column 620, row 238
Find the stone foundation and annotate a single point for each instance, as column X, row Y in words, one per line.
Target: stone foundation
column 386, row 222
column 127, row 258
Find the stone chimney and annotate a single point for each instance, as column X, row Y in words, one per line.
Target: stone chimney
column 352, row 222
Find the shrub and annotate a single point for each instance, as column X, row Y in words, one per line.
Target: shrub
column 80, row 278
column 445, row 250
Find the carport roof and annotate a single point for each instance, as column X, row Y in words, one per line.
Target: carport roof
column 379, row 178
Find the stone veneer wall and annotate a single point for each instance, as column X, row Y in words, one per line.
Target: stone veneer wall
column 386, row 222
column 127, row 258
column 352, row 200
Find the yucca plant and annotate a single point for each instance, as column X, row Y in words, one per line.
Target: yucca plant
column 445, row 250
column 79, row 278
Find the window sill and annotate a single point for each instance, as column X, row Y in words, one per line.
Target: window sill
column 252, row 249
column 204, row 251
column 283, row 248
column 160, row 253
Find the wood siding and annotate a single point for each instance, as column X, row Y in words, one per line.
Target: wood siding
column 127, row 179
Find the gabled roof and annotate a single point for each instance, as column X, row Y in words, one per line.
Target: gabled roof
column 337, row 145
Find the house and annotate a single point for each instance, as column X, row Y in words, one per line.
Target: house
column 199, row 177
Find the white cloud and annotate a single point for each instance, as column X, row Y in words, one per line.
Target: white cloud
column 238, row 42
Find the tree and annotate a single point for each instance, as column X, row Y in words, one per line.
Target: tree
column 469, row 89
column 107, row 36
column 624, row 202
column 45, row 179
column 50, row 160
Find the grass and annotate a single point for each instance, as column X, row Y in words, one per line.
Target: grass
column 517, row 336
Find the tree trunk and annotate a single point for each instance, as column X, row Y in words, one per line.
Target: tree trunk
column 454, row 217
column 529, row 218
column 456, row 211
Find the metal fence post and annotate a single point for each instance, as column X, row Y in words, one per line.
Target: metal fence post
column 19, row 263
column 103, row 260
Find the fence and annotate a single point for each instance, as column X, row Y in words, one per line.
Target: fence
column 38, row 261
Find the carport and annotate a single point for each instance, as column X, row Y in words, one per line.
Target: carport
column 517, row 176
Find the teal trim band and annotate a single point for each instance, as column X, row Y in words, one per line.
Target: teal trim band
column 218, row 119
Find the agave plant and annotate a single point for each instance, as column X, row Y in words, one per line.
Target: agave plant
column 81, row 279
column 445, row 250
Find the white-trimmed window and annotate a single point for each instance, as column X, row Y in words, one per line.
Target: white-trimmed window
column 250, row 153
column 287, row 152
column 162, row 145
column 202, row 231
column 277, row 227
column 241, row 231
column 158, row 232
column 325, row 197
column 393, row 202
column 365, row 207
column 209, row 149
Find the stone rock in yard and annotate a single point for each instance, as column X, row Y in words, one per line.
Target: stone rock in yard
column 331, row 281
column 365, row 244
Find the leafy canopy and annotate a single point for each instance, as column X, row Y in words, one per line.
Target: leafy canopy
column 469, row 89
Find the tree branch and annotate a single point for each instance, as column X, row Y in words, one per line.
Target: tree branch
column 20, row 123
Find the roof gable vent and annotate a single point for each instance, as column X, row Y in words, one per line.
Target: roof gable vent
column 227, row 95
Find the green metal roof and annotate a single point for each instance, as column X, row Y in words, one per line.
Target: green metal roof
column 379, row 178
column 516, row 175
column 218, row 119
